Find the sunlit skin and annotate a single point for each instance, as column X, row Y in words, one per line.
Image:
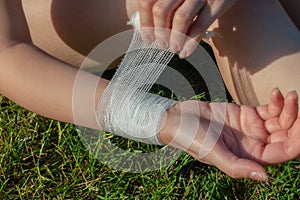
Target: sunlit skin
column 251, row 137
column 190, row 18
column 256, row 43
column 42, row 43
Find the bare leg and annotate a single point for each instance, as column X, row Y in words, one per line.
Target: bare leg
column 257, row 47
column 71, row 30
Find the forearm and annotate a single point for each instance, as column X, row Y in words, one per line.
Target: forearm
column 44, row 85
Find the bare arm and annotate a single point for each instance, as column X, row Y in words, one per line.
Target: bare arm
column 34, row 79
column 44, row 84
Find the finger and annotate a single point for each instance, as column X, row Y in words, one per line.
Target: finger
column 287, row 146
column 162, row 13
column 234, row 166
column 278, row 136
column 294, row 140
column 290, row 110
column 196, row 31
column 288, row 113
column 280, row 152
column 211, row 11
column 272, row 125
column 274, row 108
column 183, row 18
column 294, row 131
column 146, row 20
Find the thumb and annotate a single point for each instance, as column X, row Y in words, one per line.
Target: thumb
column 243, row 168
column 234, row 166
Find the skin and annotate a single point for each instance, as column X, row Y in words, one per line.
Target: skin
column 38, row 71
column 265, row 54
column 251, row 137
column 179, row 16
column 253, row 41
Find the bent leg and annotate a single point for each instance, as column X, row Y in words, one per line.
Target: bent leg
column 257, row 47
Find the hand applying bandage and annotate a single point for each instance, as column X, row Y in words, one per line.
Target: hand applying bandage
column 126, row 108
column 173, row 20
column 245, row 143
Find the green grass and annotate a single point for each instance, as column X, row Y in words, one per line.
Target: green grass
column 45, row 159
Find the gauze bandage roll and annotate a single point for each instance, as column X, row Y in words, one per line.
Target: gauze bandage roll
column 126, row 108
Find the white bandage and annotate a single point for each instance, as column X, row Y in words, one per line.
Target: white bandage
column 126, row 108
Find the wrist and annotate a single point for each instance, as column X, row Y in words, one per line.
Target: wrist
column 170, row 124
column 136, row 116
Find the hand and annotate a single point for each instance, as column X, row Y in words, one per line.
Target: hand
column 251, row 136
column 183, row 17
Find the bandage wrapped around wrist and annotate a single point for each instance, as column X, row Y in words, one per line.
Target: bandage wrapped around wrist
column 136, row 116
column 127, row 108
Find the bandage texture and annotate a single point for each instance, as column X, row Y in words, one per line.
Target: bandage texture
column 127, row 108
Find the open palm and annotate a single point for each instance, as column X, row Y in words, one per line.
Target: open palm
column 240, row 139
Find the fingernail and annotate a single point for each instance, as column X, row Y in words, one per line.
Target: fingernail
column 276, row 90
column 162, row 44
column 148, row 39
column 183, row 54
column 294, row 93
column 174, row 48
column 259, row 176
